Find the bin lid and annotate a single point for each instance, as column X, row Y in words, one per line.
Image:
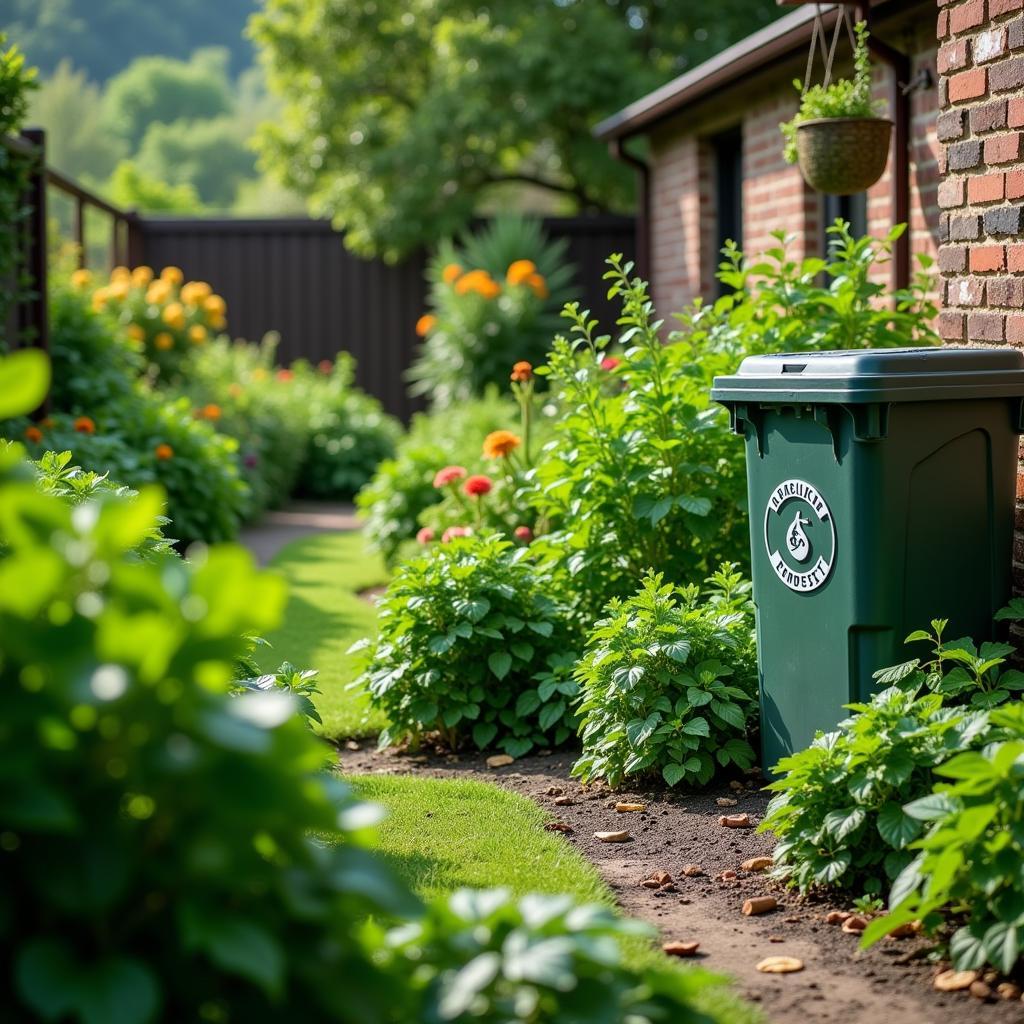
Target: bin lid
column 875, row 375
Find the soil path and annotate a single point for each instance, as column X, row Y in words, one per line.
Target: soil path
column 888, row 984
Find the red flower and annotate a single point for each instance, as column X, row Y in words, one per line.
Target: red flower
column 285, row 374
column 455, row 531
column 325, row 366
column 448, row 475
column 610, row 363
column 425, row 535
column 523, row 533
column 477, row 486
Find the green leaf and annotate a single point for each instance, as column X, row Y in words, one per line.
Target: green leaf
column 841, row 823
column 673, row 773
column 968, row 949
column 695, row 506
column 544, row 629
column 729, row 713
column 24, row 382
column 918, row 634
column 527, row 703
column 484, row 733
column 499, row 663
column 697, row 727
column 895, row 827
column 893, row 674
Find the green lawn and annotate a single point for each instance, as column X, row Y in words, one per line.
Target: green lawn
column 324, row 617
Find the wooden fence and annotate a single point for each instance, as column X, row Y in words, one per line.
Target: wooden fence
column 291, row 276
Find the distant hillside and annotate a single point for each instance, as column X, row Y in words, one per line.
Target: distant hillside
column 105, row 36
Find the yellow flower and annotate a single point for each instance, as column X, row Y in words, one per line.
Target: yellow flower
column 141, row 276
column 120, row 274
column 195, row 292
column 81, row 279
column 136, row 332
column 99, row 299
column 158, row 293
column 172, row 275
column 164, row 341
column 216, row 305
column 119, row 288
column 539, row 285
column 500, row 443
column 217, row 322
column 197, row 334
column 259, row 373
column 519, row 271
column 451, row 273
column 174, row 315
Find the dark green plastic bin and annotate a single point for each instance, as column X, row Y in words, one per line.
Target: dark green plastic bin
column 881, row 485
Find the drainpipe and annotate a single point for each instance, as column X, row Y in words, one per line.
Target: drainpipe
column 643, row 203
column 900, row 64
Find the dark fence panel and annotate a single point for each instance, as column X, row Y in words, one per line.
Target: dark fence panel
column 296, row 277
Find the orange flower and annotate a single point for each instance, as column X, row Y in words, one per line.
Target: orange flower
column 164, row 341
column 539, row 285
column 500, row 443
column 285, row 374
column 136, row 332
column 158, row 292
column 215, row 304
column 211, row 412
column 426, row 324
column 163, row 452
column 197, row 334
column 174, row 315
column 33, row 434
column 478, row 281
column 81, row 279
column 120, row 274
column 519, row 271
column 99, row 299
column 451, row 273
column 522, row 371
column 195, row 292
column 141, row 276
column 172, row 275
column 235, row 390
column 84, row 425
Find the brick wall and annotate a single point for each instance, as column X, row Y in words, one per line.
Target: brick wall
column 981, row 90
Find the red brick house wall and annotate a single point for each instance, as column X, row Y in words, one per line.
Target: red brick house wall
column 981, row 91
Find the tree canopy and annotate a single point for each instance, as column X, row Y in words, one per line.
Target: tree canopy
column 402, row 115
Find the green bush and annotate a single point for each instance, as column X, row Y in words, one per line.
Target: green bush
column 969, row 863
column 486, row 957
column 349, row 432
column 494, row 300
column 473, row 646
column 643, row 471
column 839, row 810
column 669, row 683
column 403, row 487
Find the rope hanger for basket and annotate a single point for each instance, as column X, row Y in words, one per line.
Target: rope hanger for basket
column 818, row 39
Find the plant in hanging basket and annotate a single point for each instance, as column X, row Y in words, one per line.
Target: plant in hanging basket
column 838, row 135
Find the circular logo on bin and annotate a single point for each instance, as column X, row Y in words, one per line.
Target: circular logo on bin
column 799, row 535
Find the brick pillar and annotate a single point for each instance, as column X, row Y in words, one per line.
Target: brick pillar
column 981, row 191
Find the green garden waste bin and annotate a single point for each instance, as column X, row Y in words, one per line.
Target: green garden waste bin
column 881, row 490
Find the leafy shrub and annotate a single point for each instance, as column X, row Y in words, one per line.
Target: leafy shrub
column 774, row 303
column 485, row 956
column 494, row 300
column 842, row 98
column 164, row 316
column 839, row 810
column 349, row 432
column 157, row 845
column 669, row 683
column 403, row 486
column 643, row 471
column 470, row 646
column 970, row 859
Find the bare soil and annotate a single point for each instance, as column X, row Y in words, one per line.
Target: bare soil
column 892, row 982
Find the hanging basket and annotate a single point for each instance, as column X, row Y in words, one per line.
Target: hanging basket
column 843, row 155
